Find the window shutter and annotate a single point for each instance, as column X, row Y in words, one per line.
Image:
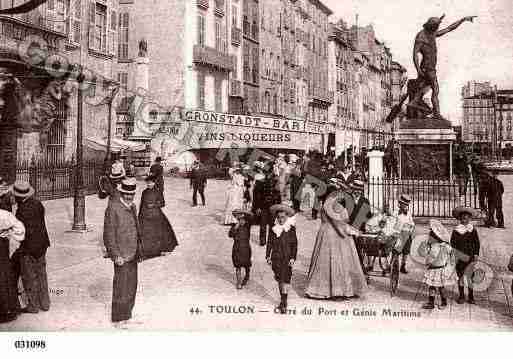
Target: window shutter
column 113, row 32
column 77, row 22
column 92, row 16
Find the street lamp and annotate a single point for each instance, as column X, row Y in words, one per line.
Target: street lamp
column 79, row 224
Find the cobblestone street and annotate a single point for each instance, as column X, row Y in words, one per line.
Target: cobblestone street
column 199, row 275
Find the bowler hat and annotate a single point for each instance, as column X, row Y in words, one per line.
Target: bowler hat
column 282, row 208
column 22, row 189
column 358, row 185
column 128, row 186
column 158, row 159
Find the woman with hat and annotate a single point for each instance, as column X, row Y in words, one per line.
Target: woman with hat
column 157, row 171
column 465, row 242
column 282, row 249
column 235, row 198
column 335, row 271
column 440, row 264
column 241, row 250
column 157, row 235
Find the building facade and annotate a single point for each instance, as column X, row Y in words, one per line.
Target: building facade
column 78, row 37
column 259, row 64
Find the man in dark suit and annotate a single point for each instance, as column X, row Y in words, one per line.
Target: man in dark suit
column 29, row 260
column 495, row 192
column 123, row 242
column 359, row 213
column 198, row 183
column 265, row 195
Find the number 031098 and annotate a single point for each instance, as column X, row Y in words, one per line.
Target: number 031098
column 30, row 344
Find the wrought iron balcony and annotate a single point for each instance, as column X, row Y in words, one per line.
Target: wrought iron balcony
column 202, row 3
column 209, row 56
column 320, row 94
column 236, row 36
column 235, row 88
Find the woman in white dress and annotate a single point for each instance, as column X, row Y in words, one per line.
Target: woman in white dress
column 235, row 199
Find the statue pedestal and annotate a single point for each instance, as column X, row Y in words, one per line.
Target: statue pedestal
column 425, row 149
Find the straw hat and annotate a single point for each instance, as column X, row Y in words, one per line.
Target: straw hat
column 282, row 208
column 241, row 213
column 458, row 211
column 128, row 186
column 438, row 229
column 117, row 171
column 293, row 157
column 22, row 189
column 404, row 199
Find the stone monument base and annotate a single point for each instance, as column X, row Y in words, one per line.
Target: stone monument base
column 425, row 149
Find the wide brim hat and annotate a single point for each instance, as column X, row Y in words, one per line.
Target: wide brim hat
column 458, row 211
column 282, row 208
column 128, row 186
column 241, row 212
column 150, row 178
column 405, row 199
column 358, row 185
column 438, row 229
column 293, row 157
column 22, row 189
column 116, row 175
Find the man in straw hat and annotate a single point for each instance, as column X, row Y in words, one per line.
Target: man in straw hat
column 29, row 260
column 281, row 250
column 425, row 45
column 405, row 228
column 122, row 240
column 359, row 213
column 465, row 242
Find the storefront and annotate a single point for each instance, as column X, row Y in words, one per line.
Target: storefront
column 214, row 137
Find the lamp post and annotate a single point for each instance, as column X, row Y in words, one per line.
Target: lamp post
column 79, row 195
column 109, row 128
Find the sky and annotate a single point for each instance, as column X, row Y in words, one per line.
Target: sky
column 481, row 51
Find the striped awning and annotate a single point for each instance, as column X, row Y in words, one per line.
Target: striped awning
column 117, row 145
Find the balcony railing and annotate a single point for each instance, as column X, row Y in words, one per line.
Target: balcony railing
column 235, row 88
column 202, row 3
column 209, row 56
column 322, row 95
column 236, row 36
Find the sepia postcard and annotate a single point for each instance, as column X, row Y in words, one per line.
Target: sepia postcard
column 255, row 166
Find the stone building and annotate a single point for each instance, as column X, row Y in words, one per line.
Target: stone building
column 75, row 35
column 342, row 78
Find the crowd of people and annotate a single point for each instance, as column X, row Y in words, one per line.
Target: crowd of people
column 269, row 194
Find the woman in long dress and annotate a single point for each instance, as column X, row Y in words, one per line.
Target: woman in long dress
column 335, row 270
column 235, row 198
column 158, row 237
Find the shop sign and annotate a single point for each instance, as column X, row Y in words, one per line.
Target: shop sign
column 256, row 122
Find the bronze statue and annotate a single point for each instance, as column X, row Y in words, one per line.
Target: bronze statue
column 425, row 45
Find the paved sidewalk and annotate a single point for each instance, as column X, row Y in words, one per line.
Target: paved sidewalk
column 199, row 275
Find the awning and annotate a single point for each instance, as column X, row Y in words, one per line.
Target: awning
column 117, row 145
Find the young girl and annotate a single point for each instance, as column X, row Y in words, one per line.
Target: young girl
column 282, row 249
column 241, row 250
column 440, row 264
column 465, row 241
